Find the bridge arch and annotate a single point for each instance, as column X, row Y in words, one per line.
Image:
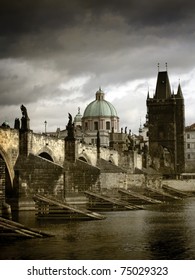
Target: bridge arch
column 6, row 178
column 46, row 156
column 111, row 160
column 8, row 165
column 46, row 153
column 84, row 158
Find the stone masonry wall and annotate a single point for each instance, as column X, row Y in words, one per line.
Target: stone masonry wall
column 81, row 176
column 139, row 181
column 135, row 181
column 113, row 181
column 54, row 146
column 2, row 184
column 90, row 153
column 37, row 175
column 129, row 160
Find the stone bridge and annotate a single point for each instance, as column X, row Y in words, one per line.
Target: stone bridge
column 17, row 145
column 48, row 147
column 32, row 163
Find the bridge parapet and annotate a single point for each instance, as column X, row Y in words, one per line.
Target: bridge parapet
column 42, row 143
column 89, row 152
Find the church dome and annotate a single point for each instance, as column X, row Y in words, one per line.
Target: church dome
column 78, row 119
column 100, row 107
column 78, row 116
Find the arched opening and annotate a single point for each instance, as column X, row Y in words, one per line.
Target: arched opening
column 46, row 156
column 168, row 159
column 111, row 160
column 83, row 159
column 6, row 183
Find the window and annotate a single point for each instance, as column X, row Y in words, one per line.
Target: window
column 95, row 125
column 108, row 125
column 188, row 156
column 86, row 125
column 188, row 145
column 188, row 136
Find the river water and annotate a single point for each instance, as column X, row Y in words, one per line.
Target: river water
column 159, row 232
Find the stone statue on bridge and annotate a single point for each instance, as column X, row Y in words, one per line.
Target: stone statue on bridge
column 25, row 121
column 70, row 120
column 70, row 128
column 17, row 123
column 98, row 144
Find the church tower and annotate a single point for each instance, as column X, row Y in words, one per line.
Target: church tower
column 166, row 123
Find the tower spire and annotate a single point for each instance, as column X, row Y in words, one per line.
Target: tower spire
column 163, row 89
column 179, row 92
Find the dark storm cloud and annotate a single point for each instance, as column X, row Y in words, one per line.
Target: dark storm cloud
column 29, row 16
column 19, row 18
column 79, row 28
column 155, row 12
column 45, row 44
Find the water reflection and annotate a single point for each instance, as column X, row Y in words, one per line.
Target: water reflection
column 160, row 232
column 169, row 231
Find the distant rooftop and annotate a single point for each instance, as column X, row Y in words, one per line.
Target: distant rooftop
column 190, row 127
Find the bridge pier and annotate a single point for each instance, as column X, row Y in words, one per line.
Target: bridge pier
column 22, row 199
column 24, row 143
column 34, row 174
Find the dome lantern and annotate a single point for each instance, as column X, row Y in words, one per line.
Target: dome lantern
column 78, row 118
column 100, row 94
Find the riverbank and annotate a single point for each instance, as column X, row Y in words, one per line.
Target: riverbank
column 182, row 185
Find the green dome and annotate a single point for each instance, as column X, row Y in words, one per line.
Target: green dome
column 78, row 117
column 100, row 107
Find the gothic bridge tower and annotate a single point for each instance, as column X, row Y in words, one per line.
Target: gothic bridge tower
column 166, row 123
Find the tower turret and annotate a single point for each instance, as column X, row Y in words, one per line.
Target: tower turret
column 179, row 92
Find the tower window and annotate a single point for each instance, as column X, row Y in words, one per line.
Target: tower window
column 86, row 125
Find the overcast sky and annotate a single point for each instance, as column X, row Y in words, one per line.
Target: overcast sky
column 55, row 54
